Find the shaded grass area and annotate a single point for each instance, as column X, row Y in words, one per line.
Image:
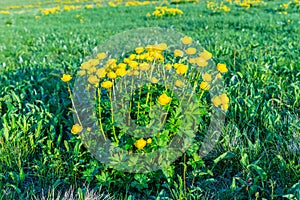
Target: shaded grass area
column 257, row 156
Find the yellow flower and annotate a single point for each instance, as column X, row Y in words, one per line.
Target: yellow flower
column 164, row 99
column 139, row 50
column 144, row 66
column 101, row 56
column 91, row 70
column 191, row 50
column 101, row 72
column 85, row 65
column 154, row 80
column 136, row 72
column 133, row 64
column 81, row 72
column 122, row 65
column 94, row 62
column 205, row 55
column 140, row 144
column 162, row 46
column 216, row 101
column 201, row 62
column 204, row 85
column 178, row 53
column 178, row 83
column 149, row 141
column 93, row 80
column 121, row 72
column 186, row 40
column 76, row 129
column 224, row 98
column 107, row 84
column 206, row 77
column 112, row 75
column 193, row 60
column 168, row 66
column 66, row 78
column 181, row 69
column 132, row 56
column 219, row 75
column 224, row 106
column 222, row 68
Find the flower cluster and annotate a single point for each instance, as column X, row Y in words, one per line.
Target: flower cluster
column 105, row 72
column 139, row 3
column 164, row 11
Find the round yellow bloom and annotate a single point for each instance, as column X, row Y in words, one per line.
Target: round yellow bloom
column 216, row 101
column 204, row 85
column 179, row 83
column 205, row 55
column 164, row 99
column 136, row 72
column 94, row 62
column 149, row 140
column 193, row 60
column 140, row 144
column 101, row 56
column 139, row 50
column 76, row 128
column 122, row 65
column 222, row 68
column 85, row 65
column 168, row 66
column 163, row 46
column 121, row 72
column 66, row 78
column 181, row 69
column 224, row 106
column 91, row 70
column 101, row 72
column 219, row 75
column 111, row 75
column 191, row 50
column 132, row 57
column 149, row 48
column 133, row 64
column 206, row 77
column 144, row 66
column 81, row 72
column 186, row 40
column 224, row 98
column 93, row 80
column 107, row 84
column 178, row 53
column 201, row 62
column 154, row 80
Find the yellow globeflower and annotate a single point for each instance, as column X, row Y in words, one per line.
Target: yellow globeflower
column 91, row 70
column 204, row 85
column 224, row 106
column 168, row 66
column 216, row 101
column 107, row 84
column 140, row 144
column 164, row 99
column 133, row 64
column 94, row 62
column 219, row 75
column 178, row 83
column 132, row 57
column 178, row 53
column 81, row 72
column 163, row 46
column 186, row 40
column 193, row 60
column 206, row 77
column 191, row 50
column 76, row 128
column 66, row 78
column 101, row 56
column 205, row 55
column 181, row 69
column 222, row 67
column 85, row 65
column 149, row 140
column 111, row 75
column 224, row 98
column 144, row 66
column 93, row 80
column 201, row 62
column 101, row 72
column 121, row 72
column 154, row 80
column 139, row 50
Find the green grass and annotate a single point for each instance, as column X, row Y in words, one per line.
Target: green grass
column 258, row 153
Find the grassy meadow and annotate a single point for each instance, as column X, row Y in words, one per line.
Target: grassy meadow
column 257, row 155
